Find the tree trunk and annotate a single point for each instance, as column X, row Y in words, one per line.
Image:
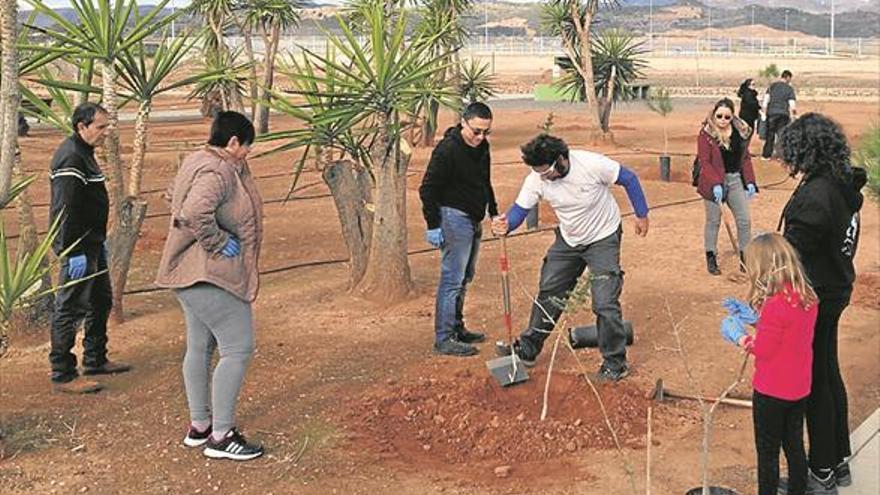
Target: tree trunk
column 9, row 94
column 5, row 326
column 85, row 75
column 586, row 64
column 387, row 277
column 271, row 42
column 130, row 215
column 111, row 142
column 351, row 187
column 252, row 61
column 429, row 128
column 606, row 103
column 39, row 310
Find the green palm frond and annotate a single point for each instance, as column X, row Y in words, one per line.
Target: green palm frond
column 477, row 82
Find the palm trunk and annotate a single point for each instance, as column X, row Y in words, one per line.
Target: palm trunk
column 387, row 277
column 5, row 326
column 111, row 142
column 606, row 104
column 85, row 75
column 586, row 63
column 351, row 188
column 271, row 43
column 9, row 94
column 40, row 310
column 252, row 60
column 130, row 217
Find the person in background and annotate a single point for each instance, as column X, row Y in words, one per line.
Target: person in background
column 726, row 176
column 786, row 314
column 456, row 193
column 210, row 260
column 749, row 106
column 823, row 223
column 577, row 184
column 779, row 107
column 79, row 198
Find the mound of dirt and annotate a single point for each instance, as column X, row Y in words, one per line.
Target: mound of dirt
column 867, row 290
column 465, row 418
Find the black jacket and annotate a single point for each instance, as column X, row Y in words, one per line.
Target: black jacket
column 822, row 222
column 79, row 194
column 749, row 107
column 458, row 176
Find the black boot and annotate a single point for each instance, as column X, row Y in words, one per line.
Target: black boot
column 742, row 262
column 712, row 263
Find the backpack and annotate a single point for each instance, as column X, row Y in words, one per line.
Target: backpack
column 695, row 172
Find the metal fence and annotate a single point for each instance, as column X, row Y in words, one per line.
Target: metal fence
column 658, row 46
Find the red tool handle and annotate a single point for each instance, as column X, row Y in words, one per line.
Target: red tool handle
column 505, row 289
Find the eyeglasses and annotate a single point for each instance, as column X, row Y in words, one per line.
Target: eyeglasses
column 478, row 132
column 720, row 116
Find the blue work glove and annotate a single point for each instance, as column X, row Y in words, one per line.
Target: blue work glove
column 232, row 248
column 740, row 310
column 717, row 192
column 76, row 267
column 751, row 191
column 732, row 330
column 434, row 237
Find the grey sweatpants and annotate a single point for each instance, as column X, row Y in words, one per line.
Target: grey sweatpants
column 215, row 319
column 735, row 197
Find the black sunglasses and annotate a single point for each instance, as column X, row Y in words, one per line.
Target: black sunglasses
column 478, row 132
column 723, row 116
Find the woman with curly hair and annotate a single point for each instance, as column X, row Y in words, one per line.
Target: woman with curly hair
column 726, row 176
column 822, row 222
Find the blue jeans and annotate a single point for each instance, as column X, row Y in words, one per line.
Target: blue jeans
column 461, row 245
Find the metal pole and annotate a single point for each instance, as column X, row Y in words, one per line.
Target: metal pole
column 651, row 25
column 832, row 27
column 753, row 28
column 486, row 25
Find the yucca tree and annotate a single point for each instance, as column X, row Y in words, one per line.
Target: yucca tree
column 476, row 81
column 225, row 85
column 572, row 21
column 616, row 58
column 378, row 87
column 103, row 30
column 218, row 16
column 271, row 18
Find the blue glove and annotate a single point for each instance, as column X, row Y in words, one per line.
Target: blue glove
column 76, row 267
column 732, row 330
column 751, row 191
column 717, row 192
column 740, row 310
column 232, row 248
column 434, row 237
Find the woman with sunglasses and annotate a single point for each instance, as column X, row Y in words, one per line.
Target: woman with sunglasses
column 726, row 176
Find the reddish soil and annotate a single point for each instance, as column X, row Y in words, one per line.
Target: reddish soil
column 346, row 394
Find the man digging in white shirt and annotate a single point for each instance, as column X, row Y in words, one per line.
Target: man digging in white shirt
column 577, row 184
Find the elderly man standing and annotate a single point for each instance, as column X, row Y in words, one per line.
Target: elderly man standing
column 577, row 184
column 79, row 197
column 456, row 192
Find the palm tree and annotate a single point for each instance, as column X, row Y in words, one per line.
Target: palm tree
column 572, row 21
column 9, row 94
column 218, row 15
column 476, row 83
column 378, row 84
column 616, row 63
column 271, row 18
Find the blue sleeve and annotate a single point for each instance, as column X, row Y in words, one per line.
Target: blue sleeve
column 515, row 216
column 630, row 182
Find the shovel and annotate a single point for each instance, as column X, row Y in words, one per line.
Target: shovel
column 507, row 370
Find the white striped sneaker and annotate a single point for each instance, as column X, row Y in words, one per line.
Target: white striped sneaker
column 196, row 438
column 233, row 446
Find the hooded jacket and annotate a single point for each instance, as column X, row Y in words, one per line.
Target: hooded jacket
column 458, row 176
column 712, row 164
column 822, row 222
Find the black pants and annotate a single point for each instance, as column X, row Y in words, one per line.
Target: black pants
column 779, row 423
column 827, row 409
column 775, row 123
column 88, row 301
column 563, row 264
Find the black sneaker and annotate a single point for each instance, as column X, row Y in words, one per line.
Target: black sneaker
column 452, row 347
column 465, row 336
column 815, row 484
column 502, row 349
column 196, row 438
column 842, row 475
column 233, row 446
column 606, row 374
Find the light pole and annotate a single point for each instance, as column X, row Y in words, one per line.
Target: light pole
column 486, row 25
column 753, row 27
column 832, row 28
column 651, row 25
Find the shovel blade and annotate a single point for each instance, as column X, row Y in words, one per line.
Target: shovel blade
column 507, row 370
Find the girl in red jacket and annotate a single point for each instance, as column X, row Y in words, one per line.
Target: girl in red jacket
column 786, row 314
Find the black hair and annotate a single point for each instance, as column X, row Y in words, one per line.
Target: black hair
column 725, row 102
column 543, row 150
column 815, row 144
column 85, row 114
column 744, row 87
column 786, row 74
column 478, row 110
column 231, row 124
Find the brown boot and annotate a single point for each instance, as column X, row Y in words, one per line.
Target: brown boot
column 78, row 386
column 107, row 368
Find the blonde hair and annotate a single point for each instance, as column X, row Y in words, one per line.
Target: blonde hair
column 712, row 123
column 771, row 265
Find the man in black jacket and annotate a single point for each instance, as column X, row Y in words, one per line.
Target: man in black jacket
column 456, row 191
column 822, row 221
column 80, row 199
